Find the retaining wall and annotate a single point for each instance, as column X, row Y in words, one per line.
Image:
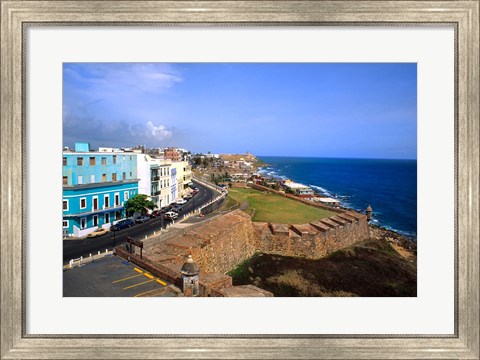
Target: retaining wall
column 313, row 240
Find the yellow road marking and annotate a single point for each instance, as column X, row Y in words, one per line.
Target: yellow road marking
column 130, row 277
column 148, row 275
column 138, row 270
column 131, row 286
column 161, row 282
column 146, row 292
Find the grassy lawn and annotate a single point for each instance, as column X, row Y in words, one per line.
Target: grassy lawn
column 275, row 208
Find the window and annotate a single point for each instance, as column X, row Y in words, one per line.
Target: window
column 92, row 179
column 107, row 218
column 95, row 220
column 92, row 160
column 118, row 215
column 131, row 174
column 65, row 205
column 104, row 177
column 80, row 180
column 106, row 201
column 65, row 180
column 124, row 176
column 117, row 199
column 95, row 203
column 64, row 161
column 83, row 203
column 114, row 159
column 83, row 223
column 65, row 223
column 104, row 161
column 125, row 195
column 114, row 177
column 79, row 161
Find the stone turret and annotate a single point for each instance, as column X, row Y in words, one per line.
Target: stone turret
column 369, row 212
column 189, row 273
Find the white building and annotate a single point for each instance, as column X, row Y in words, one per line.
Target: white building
column 155, row 179
column 298, row 189
column 164, row 183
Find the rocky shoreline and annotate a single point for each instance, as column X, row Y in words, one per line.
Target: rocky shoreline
column 404, row 245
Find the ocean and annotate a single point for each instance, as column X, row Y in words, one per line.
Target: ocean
column 389, row 186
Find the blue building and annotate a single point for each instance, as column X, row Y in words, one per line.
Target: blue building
column 96, row 186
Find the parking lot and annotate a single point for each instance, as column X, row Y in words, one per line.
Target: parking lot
column 113, row 277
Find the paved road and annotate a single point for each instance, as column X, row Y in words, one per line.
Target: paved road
column 112, row 276
column 75, row 248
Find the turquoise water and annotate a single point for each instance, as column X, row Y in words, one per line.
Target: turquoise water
column 389, row 186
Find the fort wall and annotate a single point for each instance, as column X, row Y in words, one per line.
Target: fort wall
column 222, row 243
column 313, row 240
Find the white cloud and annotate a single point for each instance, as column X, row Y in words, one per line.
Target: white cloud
column 160, row 132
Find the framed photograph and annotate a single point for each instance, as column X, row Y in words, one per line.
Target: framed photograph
column 149, row 88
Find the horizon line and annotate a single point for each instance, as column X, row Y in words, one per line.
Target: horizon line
column 334, row 157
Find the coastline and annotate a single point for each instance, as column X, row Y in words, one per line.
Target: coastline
column 271, row 171
column 405, row 246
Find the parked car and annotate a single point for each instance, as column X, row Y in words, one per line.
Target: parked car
column 177, row 208
column 97, row 232
column 156, row 213
column 165, row 209
column 142, row 219
column 122, row 224
column 172, row 215
column 181, row 202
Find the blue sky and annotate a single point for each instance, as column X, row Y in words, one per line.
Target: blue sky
column 284, row 109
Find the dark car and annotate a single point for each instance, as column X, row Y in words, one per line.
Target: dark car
column 156, row 213
column 165, row 209
column 122, row 224
column 177, row 208
column 142, row 219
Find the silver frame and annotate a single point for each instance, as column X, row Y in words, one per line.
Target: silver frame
column 15, row 15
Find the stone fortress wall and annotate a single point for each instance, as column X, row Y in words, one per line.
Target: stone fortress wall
column 313, row 240
column 222, row 243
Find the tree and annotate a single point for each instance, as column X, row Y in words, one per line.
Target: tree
column 197, row 160
column 139, row 203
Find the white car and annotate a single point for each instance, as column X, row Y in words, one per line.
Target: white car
column 181, row 201
column 172, row 215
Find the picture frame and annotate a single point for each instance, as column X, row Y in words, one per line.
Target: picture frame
column 17, row 15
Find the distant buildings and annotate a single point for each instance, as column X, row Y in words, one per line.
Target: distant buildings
column 298, row 189
column 173, row 154
column 96, row 185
